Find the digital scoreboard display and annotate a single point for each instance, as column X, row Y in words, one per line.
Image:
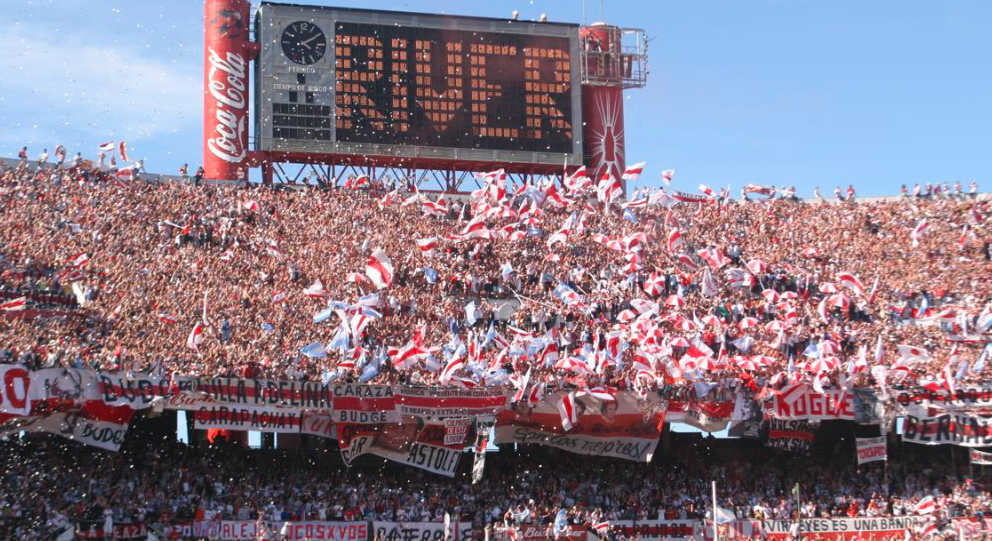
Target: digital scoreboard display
column 343, row 81
column 424, row 86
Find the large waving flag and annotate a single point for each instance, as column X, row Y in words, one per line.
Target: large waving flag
column 195, row 337
column 568, row 295
column 569, row 415
column 633, row 171
column 850, row 280
column 405, row 356
column 379, row 269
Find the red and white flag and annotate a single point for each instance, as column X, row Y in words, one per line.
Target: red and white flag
column 427, row 245
column 449, row 369
column 577, row 181
column 569, row 415
column 921, row 226
column 535, row 395
column 14, row 305
column 405, row 356
column 552, row 195
column 926, row 506
column 168, row 319
column 706, row 190
column 123, row 149
column 850, row 280
column 520, row 383
column 667, row 176
column 913, row 353
column 195, row 337
column 674, row 240
column 609, row 189
column 637, row 203
column 379, row 269
column 107, row 147
column 355, row 183
column 633, row 171
column 251, row 205
column 126, row 174
column 78, row 260
column 874, row 291
column 975, row 215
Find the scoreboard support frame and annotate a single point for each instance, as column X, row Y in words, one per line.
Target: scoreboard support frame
column 451, row 178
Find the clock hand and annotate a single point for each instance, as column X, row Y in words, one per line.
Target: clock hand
column 315, row 36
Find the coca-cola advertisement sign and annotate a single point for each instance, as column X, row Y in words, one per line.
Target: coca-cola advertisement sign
column 225, row 89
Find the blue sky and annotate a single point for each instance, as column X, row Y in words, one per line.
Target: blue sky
column 778, row 92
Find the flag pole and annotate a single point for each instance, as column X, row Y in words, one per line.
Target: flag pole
column 716, row 531
column 799, row 513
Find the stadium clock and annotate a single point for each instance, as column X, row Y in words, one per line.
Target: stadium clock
column 304, row 42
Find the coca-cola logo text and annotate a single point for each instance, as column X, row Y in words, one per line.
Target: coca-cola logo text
column 226, row 82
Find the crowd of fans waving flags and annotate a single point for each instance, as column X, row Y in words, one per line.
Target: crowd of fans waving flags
column 671, row 322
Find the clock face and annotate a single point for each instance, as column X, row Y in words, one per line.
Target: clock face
column 304, row 42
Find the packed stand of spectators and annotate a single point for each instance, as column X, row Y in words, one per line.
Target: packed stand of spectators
column 755, row 282
column 49, row 484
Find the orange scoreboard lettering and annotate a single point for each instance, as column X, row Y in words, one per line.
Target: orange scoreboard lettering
column 405, row 85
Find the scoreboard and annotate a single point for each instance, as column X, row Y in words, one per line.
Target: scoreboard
column 382, row 83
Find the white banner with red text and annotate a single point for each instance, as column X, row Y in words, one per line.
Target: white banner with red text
column 801, row 403
column 871, row 449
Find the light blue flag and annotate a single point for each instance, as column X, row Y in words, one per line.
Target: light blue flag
column 629, row 215
column 507, row 271
column 561, row 522
column 323, row 315
column 314, row 351
column 430, row 275
column 341, row 340
column 370, row 372
column 490, row 334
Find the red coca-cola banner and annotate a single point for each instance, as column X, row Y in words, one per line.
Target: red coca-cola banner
column 225, row 89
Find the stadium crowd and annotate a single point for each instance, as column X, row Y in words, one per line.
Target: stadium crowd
column 218, row 280
column 48, row 484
